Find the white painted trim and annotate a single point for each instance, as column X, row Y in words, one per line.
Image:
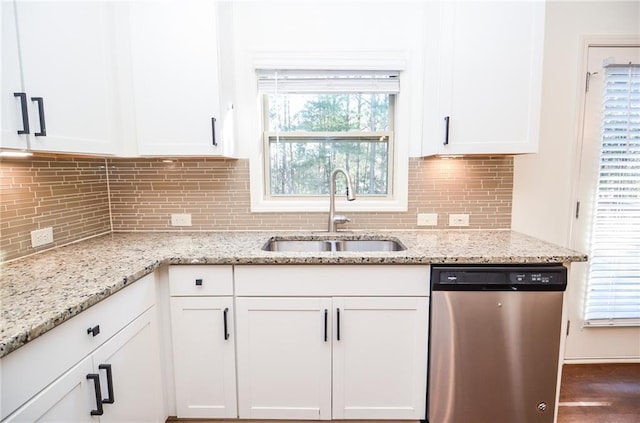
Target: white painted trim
column 330, row 60
column 577, row 279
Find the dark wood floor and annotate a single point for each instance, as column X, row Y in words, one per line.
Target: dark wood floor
column 600, row 393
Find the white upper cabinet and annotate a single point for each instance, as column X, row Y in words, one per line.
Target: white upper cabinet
column 11, row 106
column 489, row 73
column 59, row 56
column 174, row 53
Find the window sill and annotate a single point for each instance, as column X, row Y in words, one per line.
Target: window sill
column 322, row 205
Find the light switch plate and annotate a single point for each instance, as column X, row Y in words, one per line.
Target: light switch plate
column 427, row 219
column 41, row 237
column 181, row 219
column 458, row 220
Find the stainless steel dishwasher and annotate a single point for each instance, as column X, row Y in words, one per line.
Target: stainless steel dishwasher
column 494, row 343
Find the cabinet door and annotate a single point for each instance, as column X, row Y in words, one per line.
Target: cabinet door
column 133, row 355
column 491, row 74
column 175, row 77
column 67, row 60
column 12, row 120
column 284, row 358
column 70, row 398
column 204, row 356
column 380, row 358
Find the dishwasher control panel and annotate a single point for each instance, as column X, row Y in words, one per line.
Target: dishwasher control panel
column 499, row 278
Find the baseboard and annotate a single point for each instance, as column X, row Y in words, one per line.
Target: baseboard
column 602, row 360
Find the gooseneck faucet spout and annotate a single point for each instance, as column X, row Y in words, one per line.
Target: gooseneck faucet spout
column 334, row 218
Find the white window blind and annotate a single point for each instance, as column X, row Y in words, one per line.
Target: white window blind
column 313, row 81
column 613, row 296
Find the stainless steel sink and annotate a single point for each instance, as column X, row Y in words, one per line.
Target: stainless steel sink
column 314, row 245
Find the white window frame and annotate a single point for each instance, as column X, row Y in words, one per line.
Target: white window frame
column 383, row 60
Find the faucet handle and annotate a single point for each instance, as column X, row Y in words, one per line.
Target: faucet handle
column 340, row 218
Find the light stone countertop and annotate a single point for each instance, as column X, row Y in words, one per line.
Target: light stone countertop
column 39, row 292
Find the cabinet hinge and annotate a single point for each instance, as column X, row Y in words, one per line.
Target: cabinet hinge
column 577, row 209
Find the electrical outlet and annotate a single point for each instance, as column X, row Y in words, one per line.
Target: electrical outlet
column 41, row 237
column 427, row 219
column 458, row 220
column 181, row 219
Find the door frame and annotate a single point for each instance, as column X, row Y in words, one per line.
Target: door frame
column 576, row 289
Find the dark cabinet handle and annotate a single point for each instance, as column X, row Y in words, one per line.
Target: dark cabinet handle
column 338, row 325
column 198, row 282
column 213, row 131
column 326, row 319
column 226, row 329
column 446, row 130
column 107, row 368
column 94, row 330
column 25, row 113
column 43, row 127
column 96, row 386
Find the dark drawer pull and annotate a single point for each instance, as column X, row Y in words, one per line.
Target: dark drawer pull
column 326, row 318
column 94, row 330
column 226, row 329
column 43, row 127
column 213, row 131
column 107, row 368
column 96, row 386
column 25, row 113
column 198, row 282
column 446, row 130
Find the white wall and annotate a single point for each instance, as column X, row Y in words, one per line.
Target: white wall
column 331, row 31
column 330, row 35
column 544, row 182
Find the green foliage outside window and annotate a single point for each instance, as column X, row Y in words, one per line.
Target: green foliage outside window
column 309, row 135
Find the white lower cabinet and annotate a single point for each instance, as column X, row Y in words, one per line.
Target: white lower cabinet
column 203, row 354
column 203, row 339
column 379, row 358
column 307, row 354
column 68, row 399
column 126, row 369
column 284, row 358
column 135, row 363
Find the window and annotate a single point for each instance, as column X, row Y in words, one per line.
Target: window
column 613, row 294
column 317, row 121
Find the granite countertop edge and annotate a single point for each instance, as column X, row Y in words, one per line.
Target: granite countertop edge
column 25, row 317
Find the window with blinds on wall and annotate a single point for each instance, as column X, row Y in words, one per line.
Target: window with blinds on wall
column 613, row 296
column 317, row 120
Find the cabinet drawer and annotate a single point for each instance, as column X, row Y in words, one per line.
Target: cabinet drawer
column 195, row 280
column 29, row 369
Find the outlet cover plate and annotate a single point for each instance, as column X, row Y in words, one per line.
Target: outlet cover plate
column 41, row 237
column 458, row 220
column 427, row 219
column 181, row 219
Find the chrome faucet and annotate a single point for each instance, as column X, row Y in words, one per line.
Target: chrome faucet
column 334, row 218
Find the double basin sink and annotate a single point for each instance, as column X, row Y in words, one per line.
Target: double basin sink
column 332, row 245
